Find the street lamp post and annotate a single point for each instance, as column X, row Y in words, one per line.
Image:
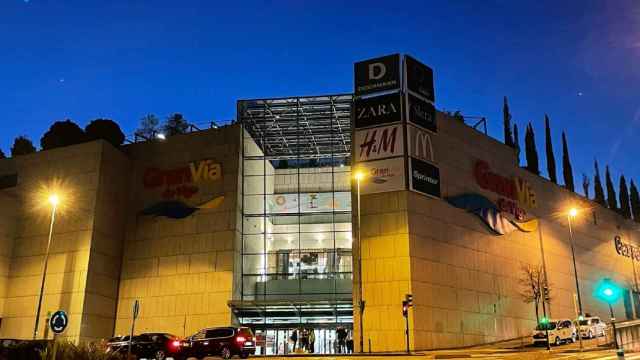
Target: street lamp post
column 359, row 175
column 610, row 292
column 572, row 214
column 53, row 201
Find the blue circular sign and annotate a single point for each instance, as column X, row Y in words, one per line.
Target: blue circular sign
column 58, row 321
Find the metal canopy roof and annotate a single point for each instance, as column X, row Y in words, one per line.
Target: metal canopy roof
column 305, row 127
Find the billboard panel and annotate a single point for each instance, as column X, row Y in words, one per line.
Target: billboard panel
column 379, row 74
column 424, row 177
column 379, row 142
column 377, row 110
column 419, row 78
column 420, row 144
column 421, row 113
column 382, row 176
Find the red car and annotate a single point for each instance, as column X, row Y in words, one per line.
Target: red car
column 222, row 341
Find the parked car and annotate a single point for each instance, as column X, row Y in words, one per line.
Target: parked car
column 157, row 346
column 222, row 341
column 560, row 331
column 592, row 326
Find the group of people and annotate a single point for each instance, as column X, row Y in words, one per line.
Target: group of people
column 345, row 341
column 307, row 339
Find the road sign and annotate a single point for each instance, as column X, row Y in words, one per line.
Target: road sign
column 58, row 321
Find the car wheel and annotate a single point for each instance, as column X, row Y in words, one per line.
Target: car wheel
column 244, row 355
column 225, row 353
column 557, row 342
column 160, row 355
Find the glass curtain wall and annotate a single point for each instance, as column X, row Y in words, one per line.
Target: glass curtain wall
column 296, row 231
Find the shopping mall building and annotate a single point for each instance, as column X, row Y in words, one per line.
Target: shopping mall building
column 258, row 223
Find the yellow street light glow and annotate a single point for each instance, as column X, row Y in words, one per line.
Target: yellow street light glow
column 359, row 175
column 573, row 212
column 54, row 199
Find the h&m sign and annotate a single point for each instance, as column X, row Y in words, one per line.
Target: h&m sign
column 379, row 142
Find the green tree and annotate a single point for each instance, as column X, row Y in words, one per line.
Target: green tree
column 22, row 146
column 530, row 150
column 105, row 129
column 148, row 127
column 175, row 124
column 597, row 187
column 567, row 170
column 625, row 207
column 516, row 140
column 585, row 185
column 2, row 155
column 506, row 118
column 635, row 201
column 612, row 202
column 551, row 159
column 62, row 133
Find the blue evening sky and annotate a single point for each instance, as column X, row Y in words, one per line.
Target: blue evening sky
column 574, row 60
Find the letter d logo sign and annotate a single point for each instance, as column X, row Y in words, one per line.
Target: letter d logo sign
column 377, row 71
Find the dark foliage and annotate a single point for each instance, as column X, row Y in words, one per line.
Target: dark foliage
column 22, row 146
column 635, row 201
column 597, row 187
column 551, row 159
column 516, row 141
column 612, row 202
column 62, row 133
column 506, row 117
column 623, row 192
column 105, row 129
column 567, row 170
column 175, row 124
column 2, row 155
column 585, row 185
column 148, row 127
column 530, row 151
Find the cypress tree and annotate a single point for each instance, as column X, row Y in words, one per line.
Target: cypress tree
column 506, row 118
column 516, row 140
column 625, row 207
column 612, row 202
column 585, row 185
column 635, row 202
column 551, row 160
column 597, row 187
column 530, row 150
column 567, row 171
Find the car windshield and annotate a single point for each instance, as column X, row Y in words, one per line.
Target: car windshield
column 546, row 326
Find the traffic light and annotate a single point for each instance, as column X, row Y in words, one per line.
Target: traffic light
column 405, row 308
column 544, row 321
column 608, row 291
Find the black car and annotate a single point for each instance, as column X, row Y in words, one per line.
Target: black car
column 222, row 341
column 157, row 346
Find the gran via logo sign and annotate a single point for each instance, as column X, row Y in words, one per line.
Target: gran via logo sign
column 377, row 110
column 379, row 143
column 377, row 75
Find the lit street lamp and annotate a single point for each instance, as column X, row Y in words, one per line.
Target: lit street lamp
column 573, row 212
column 359, row 175
column 53, row 200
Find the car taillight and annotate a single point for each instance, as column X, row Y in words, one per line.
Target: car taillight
column 175, row 343
column 240, row 339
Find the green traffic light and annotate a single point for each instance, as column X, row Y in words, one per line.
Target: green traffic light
column 608, row 291
column 544, row 320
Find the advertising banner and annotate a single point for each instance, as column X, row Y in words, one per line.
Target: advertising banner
column 419, row 144
column 379, row 74
column 377, row 110
column 419, row 78
column 379, row 142
column 421, row 113
column 309, row 202
column 424, row 177
column 382, row 176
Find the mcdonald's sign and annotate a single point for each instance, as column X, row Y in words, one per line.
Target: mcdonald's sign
column 419, row 144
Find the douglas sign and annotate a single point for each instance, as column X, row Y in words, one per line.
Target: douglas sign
column 379, row 74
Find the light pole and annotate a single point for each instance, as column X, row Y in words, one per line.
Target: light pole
column 573, row 212
column 359, row 176
column 54, row 200
column 610, row 292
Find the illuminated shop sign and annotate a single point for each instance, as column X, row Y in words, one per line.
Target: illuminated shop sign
column 377, row 110
column 309, row 202
column 378, row 143
column 379, row 74
column 419, row 78
column 182, row 181
column 424, row 178
column 516, row 192
column 627, row 250
column 383, row 175
column 419, row 144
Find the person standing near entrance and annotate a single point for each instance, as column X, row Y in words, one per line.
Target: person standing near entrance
column 294, row 338
column 312, row 340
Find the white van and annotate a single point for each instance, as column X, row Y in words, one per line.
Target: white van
column 560, row 331
column 591, row 327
